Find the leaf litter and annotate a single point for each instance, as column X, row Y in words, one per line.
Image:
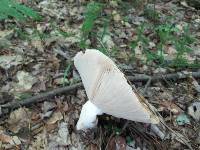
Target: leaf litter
column 37, row 63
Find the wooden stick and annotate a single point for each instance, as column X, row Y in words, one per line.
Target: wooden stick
column 171, row 76
column 41, row 97
column 138, row 78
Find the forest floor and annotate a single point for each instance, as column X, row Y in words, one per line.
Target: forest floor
column 157, row 45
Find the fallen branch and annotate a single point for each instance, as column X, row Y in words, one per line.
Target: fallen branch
column 171, row 76
column 41, row 97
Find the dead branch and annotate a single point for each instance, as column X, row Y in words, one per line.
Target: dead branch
column 142, row 78
column 41, row 97
column 171, row 76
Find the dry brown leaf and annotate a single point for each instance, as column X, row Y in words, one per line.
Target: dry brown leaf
column 94, row 147
column 37, row 43
column 66, row 107
column 117, row 143
column 120, row 143
column 39, row 142
column 35, row 116
column 55, row 117
column 81, row 94
column 5, row 138
column 111, row 144
column 41, row 83
column 53, row 63
column 13, row 140
column 170, row 106
column 51, row 127
column 25, row 81
column 18, row 119
column 47, row 106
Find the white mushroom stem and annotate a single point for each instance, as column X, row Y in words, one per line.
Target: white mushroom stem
column 88, row 116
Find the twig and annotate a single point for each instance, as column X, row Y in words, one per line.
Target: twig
column 147, row 85
column 125, row 126
column 157, row 131
column 41, row 97
column 106, row 148
column 171, row 76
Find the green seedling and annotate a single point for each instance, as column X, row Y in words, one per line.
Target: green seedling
column 10, row 8
column 93, row 11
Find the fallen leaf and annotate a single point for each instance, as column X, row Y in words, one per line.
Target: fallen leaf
column 107, row 40
column 117, row 143
column 47, row 106
column 39, row 142
column 60, row 139
column 113, row 3
column 8, row 61
column 116, row 16
column 47, row 114
column 112, row 144
column 53, row 63
column 4, row 43
column 13, row 140
column 94, row 147
column 25, row 81
column 63, row 133
column 18, row 119
column 6, row 34
column 55, row 117
column 170, row 106
column 5, row 138
column 60, row 81
column 120, row 143
column 37, row 43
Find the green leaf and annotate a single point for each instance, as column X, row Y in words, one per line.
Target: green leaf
column 92, row 12
column 10, row 8
column 66, row 73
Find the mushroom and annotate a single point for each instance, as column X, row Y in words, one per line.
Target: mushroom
column 108, row 92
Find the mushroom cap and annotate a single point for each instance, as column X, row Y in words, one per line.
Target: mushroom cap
column 108, row 89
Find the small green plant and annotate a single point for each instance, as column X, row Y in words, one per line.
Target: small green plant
column 129, row 140
column 67, row 70
column 182, row 46
column 151, row 14
column 22, row 34
column 92, row 13
column 166, row 34
column 10, row 8
column 101, row 35
column 140, row 38
column 65, row 34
